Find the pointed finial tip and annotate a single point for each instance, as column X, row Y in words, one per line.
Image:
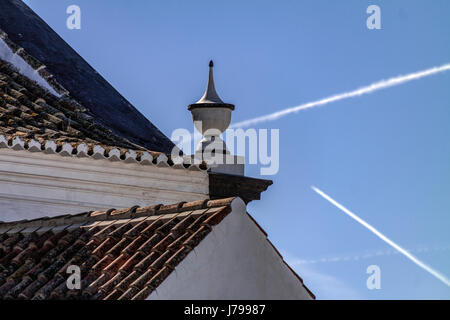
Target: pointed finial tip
column 211, row 63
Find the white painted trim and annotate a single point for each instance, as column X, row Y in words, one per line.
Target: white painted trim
column 34, row 184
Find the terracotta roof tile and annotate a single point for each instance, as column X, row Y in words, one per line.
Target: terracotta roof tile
column 121, row 256
column 33, row 119
column 28, row 111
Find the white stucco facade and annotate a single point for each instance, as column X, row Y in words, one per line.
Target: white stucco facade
column 36, row 184
column 234, row 261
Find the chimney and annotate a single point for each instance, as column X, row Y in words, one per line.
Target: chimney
column 211, row 117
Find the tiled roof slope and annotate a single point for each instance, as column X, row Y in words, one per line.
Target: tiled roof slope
column 122, row 254
column 50, row 54
column 28, row 111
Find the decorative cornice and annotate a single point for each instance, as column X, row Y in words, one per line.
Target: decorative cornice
column 227, row 185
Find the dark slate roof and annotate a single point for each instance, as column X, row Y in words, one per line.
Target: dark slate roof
column 122, row 254
column 28, row 31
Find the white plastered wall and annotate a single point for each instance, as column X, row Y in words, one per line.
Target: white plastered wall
column 35, row 184
column 234, row 261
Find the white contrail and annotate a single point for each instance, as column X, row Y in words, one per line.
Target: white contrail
column 385, row 239
column 341, row 96
column 367, row 255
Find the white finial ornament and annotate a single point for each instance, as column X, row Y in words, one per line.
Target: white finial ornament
column 211, row 117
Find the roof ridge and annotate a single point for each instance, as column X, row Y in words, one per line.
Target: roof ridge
column 96, row 151
column 115, row 214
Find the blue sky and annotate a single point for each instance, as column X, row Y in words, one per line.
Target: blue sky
column 385, row 156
